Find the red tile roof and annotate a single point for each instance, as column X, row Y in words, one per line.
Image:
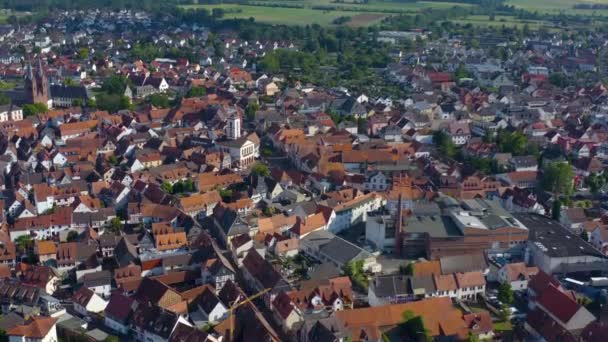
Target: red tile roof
column 558, row 303
column 36, row 327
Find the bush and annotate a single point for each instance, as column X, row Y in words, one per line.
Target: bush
column 196, row 92
column 505, row 293
column 159, row 100
column 34, row 109
column 260, row 169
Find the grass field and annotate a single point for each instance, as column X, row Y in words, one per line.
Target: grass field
column 5, row 13
column 308, row 15
column 365, row 19
column 280, row 15
column 375, row 10
column 503, row 326
column 499, row 21
column 558, row 6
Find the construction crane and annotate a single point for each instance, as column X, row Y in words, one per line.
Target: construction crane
column 234, row 305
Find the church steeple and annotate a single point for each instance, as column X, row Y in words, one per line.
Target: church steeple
column 233, row 127
column 36, row 84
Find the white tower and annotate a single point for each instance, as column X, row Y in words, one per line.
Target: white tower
column 233, row 127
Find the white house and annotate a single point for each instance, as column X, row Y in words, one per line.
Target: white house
column 117, row 313
column 86, row 301
column 243, row 150
column 99, row 282
column 599, row 239
column 353, row 211
column 517, row 275
column 10, row 112
column 210, row 308
column 377, row 181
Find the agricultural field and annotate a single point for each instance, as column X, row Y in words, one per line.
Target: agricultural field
column 280, row 15
column 371, row 13
column 559, row 6
column 499, row 21
column 374, row 11
column 5, row 13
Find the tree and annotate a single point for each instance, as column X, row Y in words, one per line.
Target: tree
column 269, row 211
column 594, row 182
column 34, row 109
column 512, row 142
column 112, row 102
column 250, row 111
column 23, row 242
column 226, row 194
column 260, row 169
column 461, row 72
column 77, row 103
column 408, row 270
column 354, row 269
column 559, row 79
column 4, row 100
column 505, row 293
column 504, row 313
column 113, row 160
column 218, row 12
column 189, row 185
column 116, row 225
column 167, row 187
column 445, row 144
column 72, row 236
column 556, row 209
column 115, row 85
column 585, row 235
column 335, row 117
column 196, row 92
column 558, row 178
column 413, row 326
column 83, row 53
column 159, row 100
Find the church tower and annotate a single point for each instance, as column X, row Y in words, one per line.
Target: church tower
column 233, row 127
column 36, row 84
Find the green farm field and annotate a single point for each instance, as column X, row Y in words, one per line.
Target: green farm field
column 280, row 15
column 499, row 21
column 559, row 6
column 370, row 13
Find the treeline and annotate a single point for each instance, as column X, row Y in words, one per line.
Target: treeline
column 482, row 3
column 591, row 6
column 49, row 5
column 273, row 4
column 359, row 9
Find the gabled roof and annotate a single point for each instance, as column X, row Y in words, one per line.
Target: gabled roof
column 283, row 305
column 38, row 276
column 35, row 328
column 261, row 270
column 470, row 279
column 171, row 241
column 184, row 333
column 542, row 281
column 46, row 247
column 82, row 296
column 155, row 320
column 519, row 270
column 559, row 303
column 207, row 300
column 440, row 317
